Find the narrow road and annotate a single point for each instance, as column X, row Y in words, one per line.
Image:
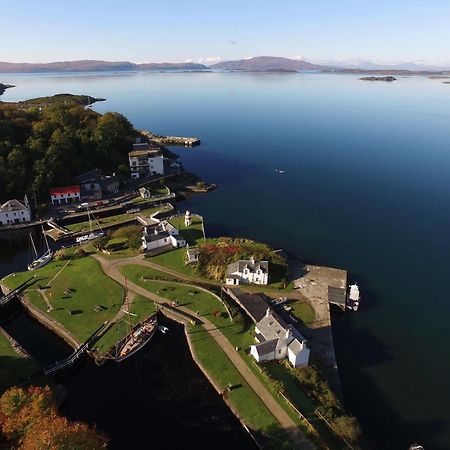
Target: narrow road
column 111, row 268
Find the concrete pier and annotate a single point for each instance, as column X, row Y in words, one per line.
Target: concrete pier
column 312, row 283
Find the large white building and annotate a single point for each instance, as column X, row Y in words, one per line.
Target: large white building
column 247, row 271
column 162, row 236
column 14, row 211
column 276, row 340
column 64, row 195
column 145, row 160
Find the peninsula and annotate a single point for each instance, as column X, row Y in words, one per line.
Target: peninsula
column 228, row 292
column 3, row 87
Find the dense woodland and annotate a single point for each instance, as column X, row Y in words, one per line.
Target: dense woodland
column 45, row 142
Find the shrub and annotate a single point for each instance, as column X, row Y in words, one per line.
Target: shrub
column 347, row 427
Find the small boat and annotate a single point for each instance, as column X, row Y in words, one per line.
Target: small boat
column 416, row 447
column 353, row 297
column 41, row 261
column 279, row 171
column 163, row 329
column 89, row 237
column 140, row 335
column 93, row 234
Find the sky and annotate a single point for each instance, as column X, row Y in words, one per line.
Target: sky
column 207, row 31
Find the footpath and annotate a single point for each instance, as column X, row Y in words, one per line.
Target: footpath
column 111, row 268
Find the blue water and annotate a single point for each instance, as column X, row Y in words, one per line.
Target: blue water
column 366, row 188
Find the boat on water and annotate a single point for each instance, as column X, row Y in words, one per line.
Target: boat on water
column 89, row 237
column 92, row 234
column 39, row 261
column 354, row 297
column 139, row 336
column 163, row 329
column 416, row 447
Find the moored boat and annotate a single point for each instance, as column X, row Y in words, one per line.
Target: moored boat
column 139, row 336
column 92, row 234
column 40, row 261
column 353, row 297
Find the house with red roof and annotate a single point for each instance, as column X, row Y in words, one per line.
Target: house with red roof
column 66, row 194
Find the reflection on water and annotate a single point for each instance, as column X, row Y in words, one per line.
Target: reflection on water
column 157, row 397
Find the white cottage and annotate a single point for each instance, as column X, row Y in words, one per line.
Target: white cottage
column 276, row 340
column 162, row 235
column 247, row 271
column 14, row 211
column 145, row 160
column 191, row 255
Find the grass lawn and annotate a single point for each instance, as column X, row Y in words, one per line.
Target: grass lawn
column 13, row 368
column 193, row 233
column 90, row 287
column 303, row 311
column 175, row 260
column 244, row 400
column 188, row 296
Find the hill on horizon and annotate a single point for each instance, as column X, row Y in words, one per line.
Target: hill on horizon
column 93, row 66
column 263, row 63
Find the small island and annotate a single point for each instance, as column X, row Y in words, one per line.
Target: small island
column 387, row 78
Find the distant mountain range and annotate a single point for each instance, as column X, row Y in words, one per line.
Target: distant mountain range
column 271, row 63
column 366, row 64
column 256, row 64
column 94, row 66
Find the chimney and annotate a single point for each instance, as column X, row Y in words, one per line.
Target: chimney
column 268, row 312
column 252, row 260
column 288, row 333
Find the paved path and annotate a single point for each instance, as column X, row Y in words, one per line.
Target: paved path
column 111, row 268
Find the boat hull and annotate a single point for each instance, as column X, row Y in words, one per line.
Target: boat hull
column 40, row 262
column 149, row 326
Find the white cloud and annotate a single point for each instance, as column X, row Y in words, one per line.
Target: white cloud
column 206, row 60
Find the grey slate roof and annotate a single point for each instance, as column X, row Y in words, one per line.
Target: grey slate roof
column 242, row 264
column 254, row 305
column 12, row 205
column 272, row 326
column 266, row 347
column 152, row 237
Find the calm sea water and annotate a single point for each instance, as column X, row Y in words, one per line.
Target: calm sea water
column 366, row 187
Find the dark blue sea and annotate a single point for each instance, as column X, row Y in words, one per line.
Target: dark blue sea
column 366, row 188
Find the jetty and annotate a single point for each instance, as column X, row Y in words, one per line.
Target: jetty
column 170, row 140
column 322, row 287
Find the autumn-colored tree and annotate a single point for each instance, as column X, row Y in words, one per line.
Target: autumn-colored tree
column 29, row 420
column 22, row 409
column 57, row 433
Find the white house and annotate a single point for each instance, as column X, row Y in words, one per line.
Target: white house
column 145, row 160
column 247, row 271
column 163, row 235
column 276, row 340
column 67, row 194
column 191, row 255
column 144, row 192
column 14, row 211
